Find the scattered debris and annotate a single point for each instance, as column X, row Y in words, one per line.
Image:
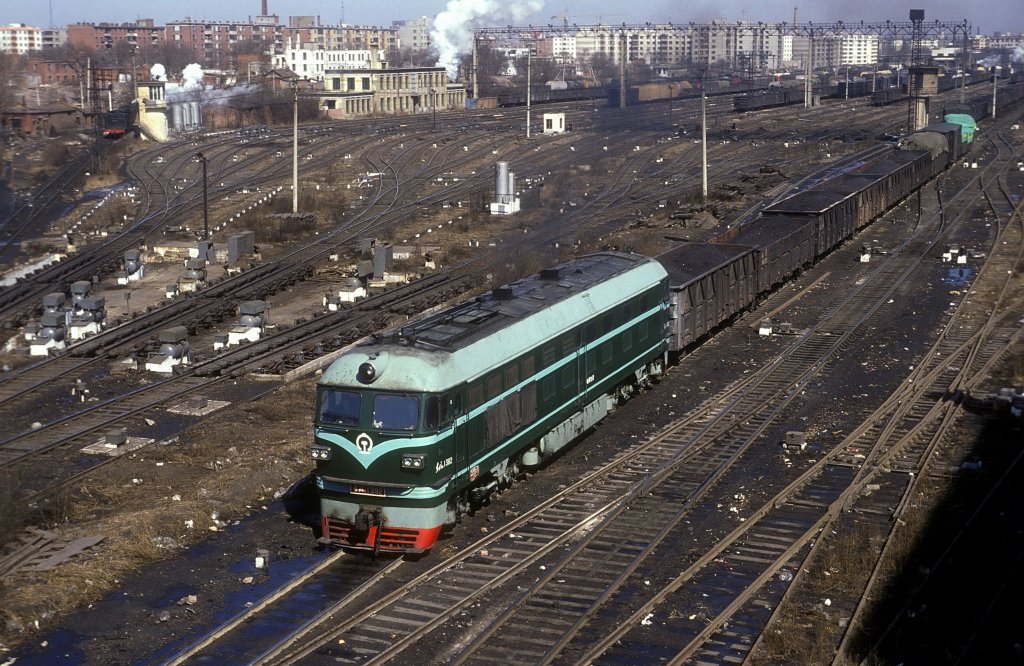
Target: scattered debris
column 42, row 550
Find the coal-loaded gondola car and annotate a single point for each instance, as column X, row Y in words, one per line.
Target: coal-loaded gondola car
column 834, row 214
column 901, row 171
column 941, row 140
column 709, row 284
column 421, row 423
column 868, row 192
column 888, row 96
column 783, row 246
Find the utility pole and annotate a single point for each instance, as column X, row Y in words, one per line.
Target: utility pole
column 808, row 73
column 135, row 81
column 206, row 209
column 965, row 61
column 622, row 70
column 703, row 141
column 995, row 80
column 295, row 150
column 529, row 61
column 476, row 91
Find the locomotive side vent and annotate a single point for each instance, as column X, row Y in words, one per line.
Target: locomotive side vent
column 503, row 294
column 550, row 274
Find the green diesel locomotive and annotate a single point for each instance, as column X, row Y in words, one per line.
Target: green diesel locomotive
column 421, row 423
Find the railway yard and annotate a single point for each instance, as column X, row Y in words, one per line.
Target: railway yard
column 825, row 478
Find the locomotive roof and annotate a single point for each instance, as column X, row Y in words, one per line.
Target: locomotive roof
column 469, row 338
column 808, row 202
column 518, row 300
column 689, row 261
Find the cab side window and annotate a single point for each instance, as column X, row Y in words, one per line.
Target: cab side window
column 439, row 411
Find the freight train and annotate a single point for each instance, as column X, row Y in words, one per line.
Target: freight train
column 767, row 99
column 544, row 95
column 884, row 95
column 755, row 94
column 420, row 424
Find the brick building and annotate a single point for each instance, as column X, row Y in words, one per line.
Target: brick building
column 106, row 36
column 52, row 71
column 214, row 38
column 40, row 120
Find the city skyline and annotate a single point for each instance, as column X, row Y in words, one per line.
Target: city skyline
column 986, row 16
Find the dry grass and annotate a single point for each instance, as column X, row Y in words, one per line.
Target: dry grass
column 161, row 498
column 839, row 570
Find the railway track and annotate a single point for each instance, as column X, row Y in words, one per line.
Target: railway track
column 585, row 538
column 924, row 423
column 38, row 461
column 332, row 583
column 751, row 568
column 54, row 445
column 535, row 534
column 594, row 543
column 15, row 227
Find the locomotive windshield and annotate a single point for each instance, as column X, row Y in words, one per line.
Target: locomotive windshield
column 395, row 411
column 390, row 411
column 340, row 407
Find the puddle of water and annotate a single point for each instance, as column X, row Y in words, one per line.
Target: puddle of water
column 958, row 276
column 61, row 646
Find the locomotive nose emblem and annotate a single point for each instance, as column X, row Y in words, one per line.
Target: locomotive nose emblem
column 364, row 443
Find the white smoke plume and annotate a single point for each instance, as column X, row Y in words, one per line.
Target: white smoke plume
column 192, row 77
column 157, row 72
column 453, row 28
column 1017, row 55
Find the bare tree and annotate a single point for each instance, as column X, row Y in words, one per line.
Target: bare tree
column 174, row 58
column 9, row 68
column 491, row 62
column 409, row 57
column 541, row 70
column 605, row 67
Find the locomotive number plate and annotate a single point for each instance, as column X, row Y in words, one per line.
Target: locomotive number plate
column 376, row 491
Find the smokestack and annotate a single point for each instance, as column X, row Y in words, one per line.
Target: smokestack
column 796, row 17
column 265, row 10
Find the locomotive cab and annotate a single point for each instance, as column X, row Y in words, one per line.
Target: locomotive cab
column 383, row 457
column 395, row 420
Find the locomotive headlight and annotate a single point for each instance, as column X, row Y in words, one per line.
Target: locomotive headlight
column 414, row 461
column 320, row 453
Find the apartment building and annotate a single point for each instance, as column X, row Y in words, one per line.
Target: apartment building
column 19, row 39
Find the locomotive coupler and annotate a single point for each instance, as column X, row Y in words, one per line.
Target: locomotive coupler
column 366, row 519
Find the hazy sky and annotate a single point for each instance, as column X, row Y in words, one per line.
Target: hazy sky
column 986, row 15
